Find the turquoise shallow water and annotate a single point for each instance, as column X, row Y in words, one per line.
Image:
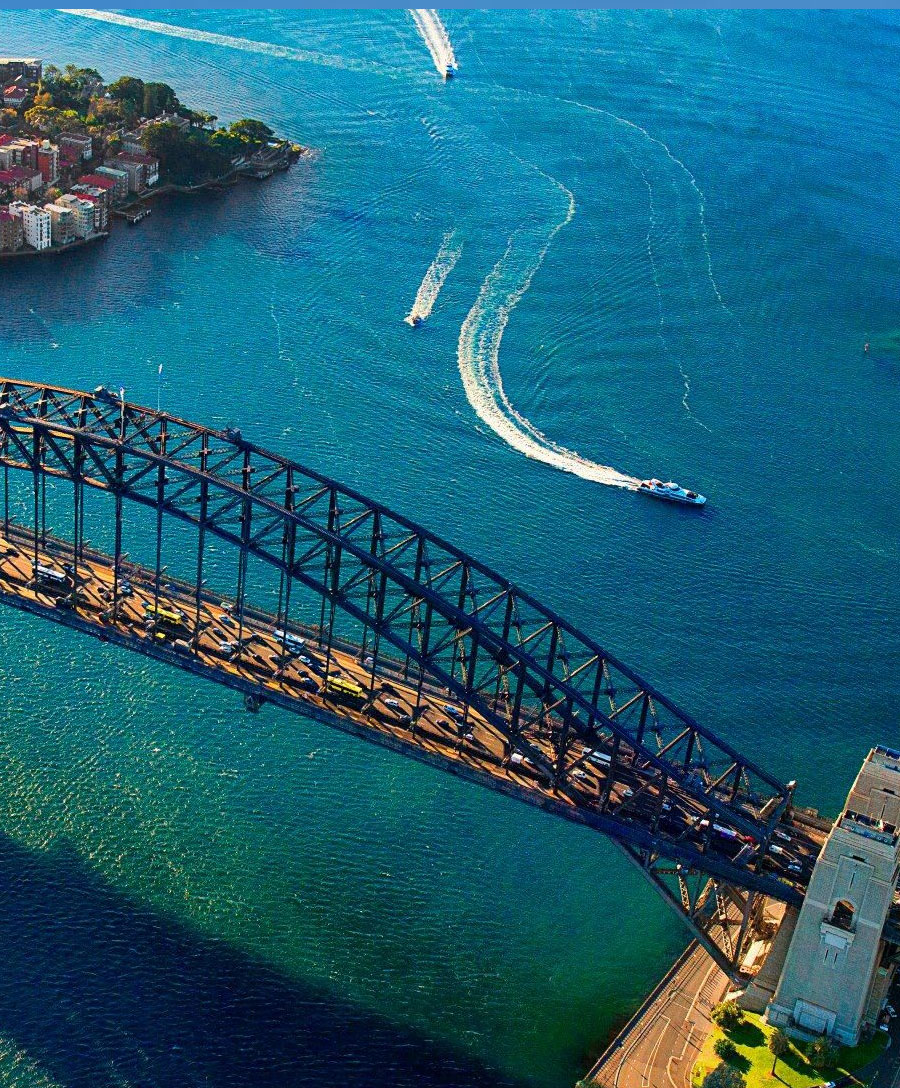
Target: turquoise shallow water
column 195, row 896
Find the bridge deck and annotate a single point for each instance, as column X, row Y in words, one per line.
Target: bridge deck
column 411, row 716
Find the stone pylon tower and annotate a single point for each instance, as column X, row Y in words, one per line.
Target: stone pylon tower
column 843, row 953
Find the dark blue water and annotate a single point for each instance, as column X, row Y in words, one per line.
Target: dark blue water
column 677, row 233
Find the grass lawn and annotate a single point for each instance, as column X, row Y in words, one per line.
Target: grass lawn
column 754, row 1058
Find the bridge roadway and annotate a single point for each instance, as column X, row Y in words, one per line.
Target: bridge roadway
column 416, row 718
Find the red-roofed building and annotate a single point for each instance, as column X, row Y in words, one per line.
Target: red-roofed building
column 21, row 179
column 15, row 94
column 97, row 180
column 100, row 199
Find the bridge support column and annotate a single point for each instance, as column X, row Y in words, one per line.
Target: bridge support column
column 842, row 956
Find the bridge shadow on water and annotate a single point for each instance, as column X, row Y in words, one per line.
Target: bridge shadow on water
column 99, row 989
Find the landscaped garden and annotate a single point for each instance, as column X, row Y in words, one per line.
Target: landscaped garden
column 742, row 1045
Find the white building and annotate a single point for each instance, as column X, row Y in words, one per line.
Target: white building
column 84, row 213
column 62, row 224
column 36, row 224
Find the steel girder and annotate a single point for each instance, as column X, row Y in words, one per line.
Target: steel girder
column 449, row 617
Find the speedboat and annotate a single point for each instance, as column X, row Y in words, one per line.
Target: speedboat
column 450, row 70
column 413, row 320
column 670, row 492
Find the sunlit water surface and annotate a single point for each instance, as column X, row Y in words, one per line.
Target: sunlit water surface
column 675, row 235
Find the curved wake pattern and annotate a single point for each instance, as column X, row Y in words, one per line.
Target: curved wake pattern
column 435, row 36
column 479, row 352
column 244, row 44
column 438, row 271
column 691, row 180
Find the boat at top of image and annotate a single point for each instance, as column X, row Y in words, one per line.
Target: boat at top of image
column 671, row 492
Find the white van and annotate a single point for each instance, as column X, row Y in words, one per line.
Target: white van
column 291, row 643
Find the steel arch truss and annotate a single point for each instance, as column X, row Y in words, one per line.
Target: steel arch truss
column 558, row 698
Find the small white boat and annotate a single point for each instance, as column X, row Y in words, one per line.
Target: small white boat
column 670, row 492
column 450, row 70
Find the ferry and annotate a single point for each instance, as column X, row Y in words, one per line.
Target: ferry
column 670, row 492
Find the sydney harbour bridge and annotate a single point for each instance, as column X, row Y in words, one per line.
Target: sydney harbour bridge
column 241, row 566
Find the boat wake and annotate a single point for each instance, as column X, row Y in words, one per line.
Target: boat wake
column 228, row 41
column 435, row 36
column 479, row 352
column 438, row 271
column 699, row 195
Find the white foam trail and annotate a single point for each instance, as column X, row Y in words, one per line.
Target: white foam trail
column 228, row 41
column 479, row 351
column 692, row 181
column 435, row 36
column 654, row 271
column 438, row 271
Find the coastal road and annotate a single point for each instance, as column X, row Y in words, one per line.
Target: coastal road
column 660, row 1045
column 885, row 1073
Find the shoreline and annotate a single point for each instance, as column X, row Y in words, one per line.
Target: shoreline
column 228, row 180
column 53, row 251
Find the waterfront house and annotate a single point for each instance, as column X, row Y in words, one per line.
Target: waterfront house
column 142, row 170
column 119, row 179
column 13, row 68
column 181, row 123
column 62, row 224
column 35, row 224
column 100, row 199
column 12, row 233
column 83, row 211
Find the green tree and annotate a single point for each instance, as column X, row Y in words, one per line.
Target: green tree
column 728, row 1015
column 128, row 91
column 724, row 1076
column 779, row 1045
column 104, row 111
column 725, row 1049
column 158, row 98
column 70, row 88
column 823, row 1054
column 51, row 120
column 251, row 132
column 184, row 157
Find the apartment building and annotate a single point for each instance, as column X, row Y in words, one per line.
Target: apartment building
column 62, row 224
column 12, row 233
column 36, row 224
